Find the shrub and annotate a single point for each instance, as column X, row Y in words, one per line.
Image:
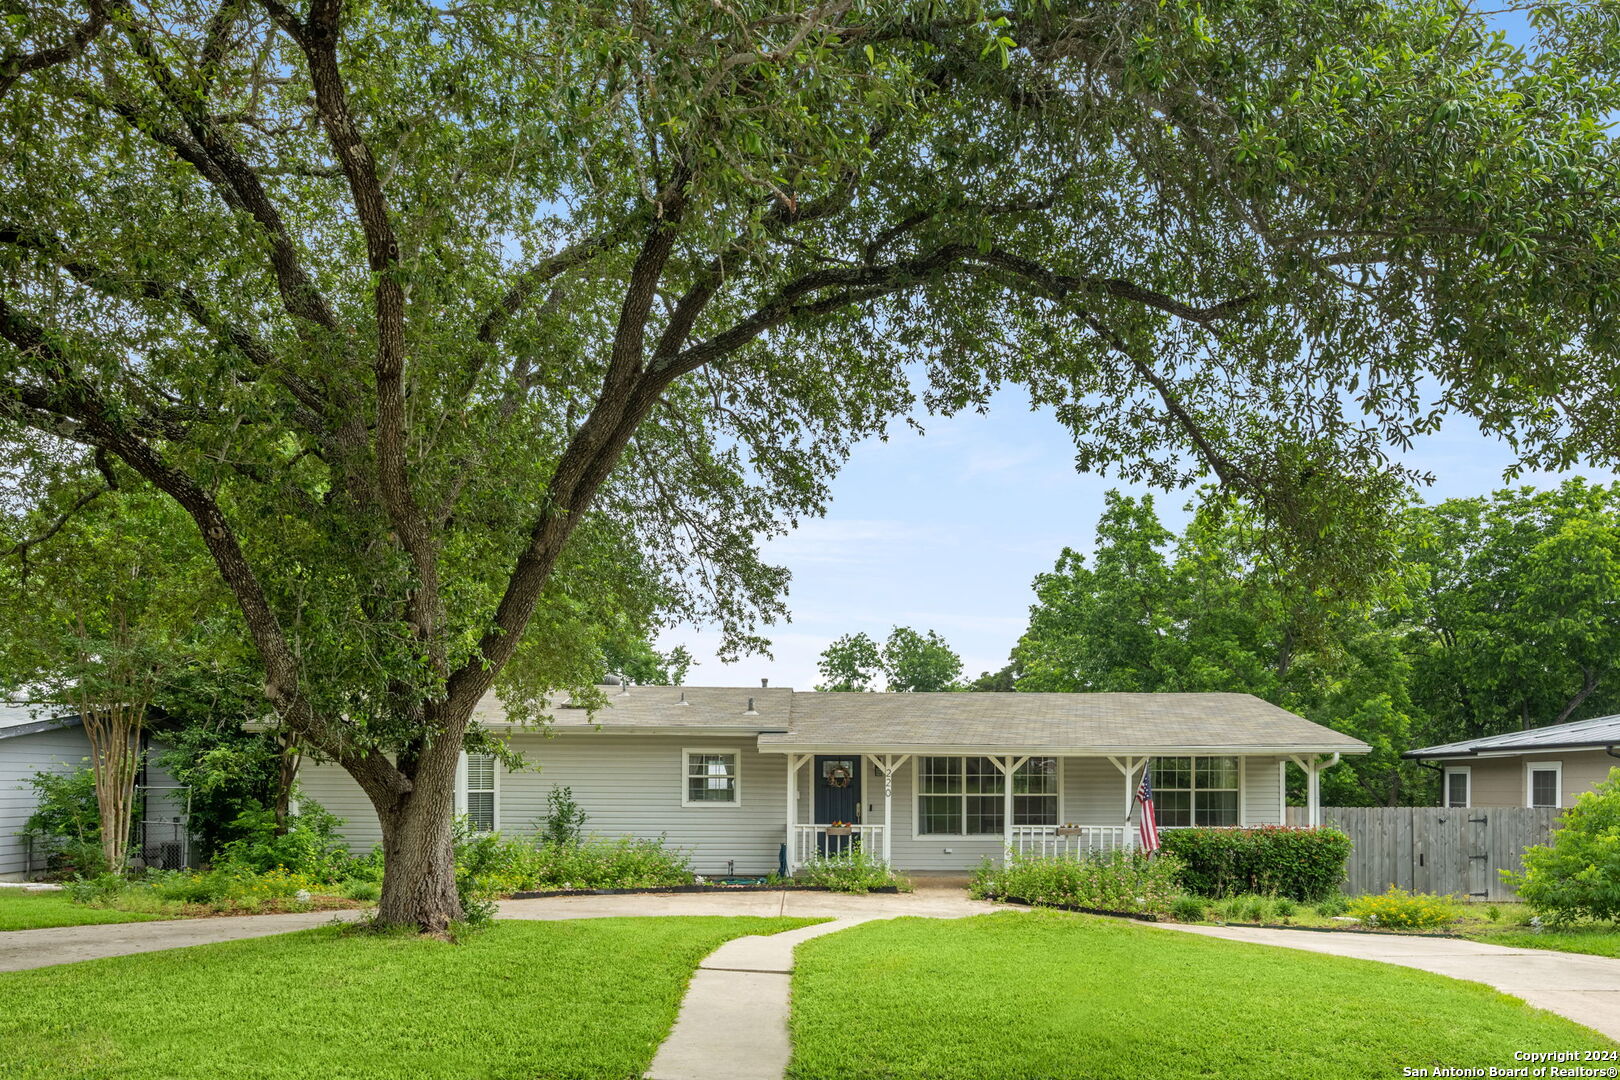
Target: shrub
column 1257, row 908
column 1284, row 907
column 490, row 865
column 1188, row 908
column 309, row 846
column 1398, row 909
column 852, row 872
column 1301, row 864
column 1123, row 881
column 1578, row 874
column 1331, row 906
column 565, row 818
column 362, row 889
column 66, row 823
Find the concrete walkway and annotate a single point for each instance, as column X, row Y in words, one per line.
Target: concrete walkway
column 1584, row 988
column 733, row 1023
column 24, row 949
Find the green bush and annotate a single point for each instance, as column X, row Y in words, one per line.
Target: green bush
column 66, row 823
column 1123, row 881
column 310, row 845
column 361, row 889
column 1301, row 864
column 1284, row 907
column 490, row 865
column 1188, row 908
column 1331, row 906
column 565, row 819
column 852, row 872
column 1578, row 874
column 1398, row 909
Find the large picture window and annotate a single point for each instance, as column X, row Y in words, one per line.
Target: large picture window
column 967, row 796
column 1195, row 790
column 711, row 778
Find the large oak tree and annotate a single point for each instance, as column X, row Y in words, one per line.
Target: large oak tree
column 424, row 314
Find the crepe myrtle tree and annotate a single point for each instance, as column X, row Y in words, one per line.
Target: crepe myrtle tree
column 419, row 310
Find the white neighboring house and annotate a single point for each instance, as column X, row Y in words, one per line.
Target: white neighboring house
column 752, row 780
column 34, row 739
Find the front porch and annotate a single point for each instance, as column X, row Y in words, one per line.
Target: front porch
column 949, row 811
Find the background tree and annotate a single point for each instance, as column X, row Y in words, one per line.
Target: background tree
column 118, row 602
column 436, row 318
column 906, row 662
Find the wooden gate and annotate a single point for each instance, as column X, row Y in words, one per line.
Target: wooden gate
column 1446, row 850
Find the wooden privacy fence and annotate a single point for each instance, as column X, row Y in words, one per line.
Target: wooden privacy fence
column 1447, row 850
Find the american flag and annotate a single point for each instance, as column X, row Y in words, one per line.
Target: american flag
column 1148, row 825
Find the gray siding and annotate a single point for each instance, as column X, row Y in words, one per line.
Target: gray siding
column 1500, row 781
column 630, row 785
column 20, row 758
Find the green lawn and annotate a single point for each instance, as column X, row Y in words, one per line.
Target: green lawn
column 1600, row 940
column 1049, row 996
column 20, row 910
column 517, row 1001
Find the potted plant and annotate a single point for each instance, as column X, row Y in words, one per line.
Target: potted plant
column 840, row 828
column 1069, row 829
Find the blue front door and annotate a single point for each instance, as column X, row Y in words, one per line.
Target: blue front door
column 838, row 798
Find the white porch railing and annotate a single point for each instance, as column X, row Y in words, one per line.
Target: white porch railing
column 1049, row 840
column 812, row 840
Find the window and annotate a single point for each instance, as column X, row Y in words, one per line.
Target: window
column 967, row 796
column 711, row 778
column 1542, row 781
column 481, row 792
column 1459, row 778
column 1195, row 791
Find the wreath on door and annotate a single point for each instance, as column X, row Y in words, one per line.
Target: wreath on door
column 838, row 776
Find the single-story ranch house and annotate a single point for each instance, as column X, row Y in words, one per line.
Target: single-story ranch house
column 1545, row 766
column 749, row 780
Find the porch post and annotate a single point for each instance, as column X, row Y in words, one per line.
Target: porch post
column 886, row 765
column 1008, row 765
column 1313, row 792
column 792, row 812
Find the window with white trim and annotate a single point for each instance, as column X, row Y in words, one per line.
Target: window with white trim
column 480, row 792
column 1196, row 790
column 711, row 778
column 1542, row 782
column 967, row 796
column 1459, row 782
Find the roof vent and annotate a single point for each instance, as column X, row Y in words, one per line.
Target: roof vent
column 683, row 700
column 625, row 688
column 764, row 683
column 751, row 710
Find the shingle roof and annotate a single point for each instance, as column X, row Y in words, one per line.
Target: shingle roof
column 22, row 718
column 788, row 720
column 714, row 707
column 1067, row 722
column 1599, row 732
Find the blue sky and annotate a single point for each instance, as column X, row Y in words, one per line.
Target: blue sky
column 946, row 531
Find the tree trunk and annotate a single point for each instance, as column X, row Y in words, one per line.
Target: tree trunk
column 287, row 760
column 114, row 734
column 419, row 873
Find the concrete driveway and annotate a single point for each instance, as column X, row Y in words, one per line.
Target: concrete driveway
column 24, row 949
column 1584, row 988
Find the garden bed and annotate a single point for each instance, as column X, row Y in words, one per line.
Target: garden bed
column 1139, row 916
column 786, row 886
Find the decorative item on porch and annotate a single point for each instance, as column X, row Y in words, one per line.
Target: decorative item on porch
column 840, row 828
column 1069, row 829
column 838, row 776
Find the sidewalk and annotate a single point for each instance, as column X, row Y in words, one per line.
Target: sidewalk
column 24, row 949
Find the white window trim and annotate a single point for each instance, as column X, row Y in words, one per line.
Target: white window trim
column 461, row 791
column 1467, row 773
column 1554, row 767
column 1242, row 790
column 916, row 797
column 686, row 773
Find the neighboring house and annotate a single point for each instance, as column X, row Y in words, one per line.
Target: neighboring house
column 34, row 741
column 1546, row 767
column 747, row 780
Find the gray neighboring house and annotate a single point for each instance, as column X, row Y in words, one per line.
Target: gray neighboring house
column 1542, row 767
column 747, row 780
column 33, row 740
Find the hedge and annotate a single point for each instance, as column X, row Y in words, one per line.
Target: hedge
column 1302, row 864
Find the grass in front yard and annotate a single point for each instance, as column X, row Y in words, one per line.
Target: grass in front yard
column 574, row 999
column 1601, row 939
column 24, row 910
column 1050, row 996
